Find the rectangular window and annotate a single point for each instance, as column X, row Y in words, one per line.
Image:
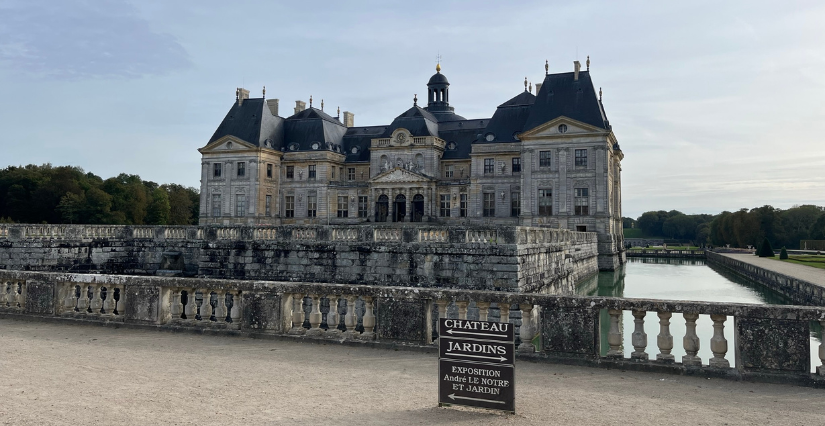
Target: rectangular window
column 341, row 173
column 448, row 171
column 462, row 205
column 444, row 205
column 289, row 206
column 362, row 205
column 333, row 172
column 351, row 173
column 241, row 169
column 343, row 206
column 544, row 158
column 515, row 204
column 545, row 202
column 312, row 172
column 489, row 204
column 268, row 205
column 312, row 205
column 216, row 170
column 581, row 157
column 290, row 172
column 216, row 205
column 516, row 165
column 240, row 205
column 489, row 166
column 582, row 202
column 581, row 228
column 269, row 171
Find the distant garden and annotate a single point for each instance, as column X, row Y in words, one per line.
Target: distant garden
column 743, row 228
column 47, row 194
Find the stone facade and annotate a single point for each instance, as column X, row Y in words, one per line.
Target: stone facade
column 548, row 160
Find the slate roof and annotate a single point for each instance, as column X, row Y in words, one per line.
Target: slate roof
column 252, row 122
column 361, row 138
column 417, row 120
column 509, row 119
column 312, row 125
column 561, row 95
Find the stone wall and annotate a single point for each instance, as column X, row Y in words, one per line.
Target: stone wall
column 799, row 291
column 472, row 257
column 771, row 342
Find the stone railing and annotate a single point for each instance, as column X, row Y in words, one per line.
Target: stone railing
column 388, row 234
column 772, row 342
column 382, row 142
column 665, row 253
column 433, row 235
column 419, row 141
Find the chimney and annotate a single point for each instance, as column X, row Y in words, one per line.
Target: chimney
column 349, row 119
column 576, row 68
column 300, row 106
column 273, row 106
column 241, row 94
column 538, row 87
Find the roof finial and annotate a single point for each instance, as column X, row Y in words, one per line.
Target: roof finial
column 525, row 84
column 264, row 95
column 339, row 112
column 415, row 100
column 546, row 67
column 322, row 104
column 531, row 87
column 310, row 101
column 438, row 63
column 600, row 94
column 588, row 62
column 237, row 93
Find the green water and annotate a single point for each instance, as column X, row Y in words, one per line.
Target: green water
column 680, row 279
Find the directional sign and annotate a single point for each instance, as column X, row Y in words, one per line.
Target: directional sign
column 475, row 350
column 476, row 385
column 475, row 365
column 484, row 330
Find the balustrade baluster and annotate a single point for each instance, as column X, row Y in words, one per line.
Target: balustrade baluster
column 639, row 337
column 483, row 310
column 235, row 312
column 504, row 312
column 369, row 320
column 333, row 317
column 462, row 308
column 83, row 299
column 821, row 369
column 297, row 314
column 691, row 341
column 614, row 336
column 442, row 313
column 351, row 318
column 718, row 343
column 106, row 294
column 96, row 302
column 176, row 307
column 527, row 331
column 206, row 306
column 664, row 340
column 70, row 302
column 315, row 317
column 191, row 307
column 220, row 307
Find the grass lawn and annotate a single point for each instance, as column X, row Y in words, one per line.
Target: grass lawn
column 808, row 260
column 632, row 233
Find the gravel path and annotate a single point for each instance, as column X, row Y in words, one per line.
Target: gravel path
column 805, row 273
column 77, row 374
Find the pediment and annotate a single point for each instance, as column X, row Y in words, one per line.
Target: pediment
column 399, row 174
column 551, row 129
column 227, row 143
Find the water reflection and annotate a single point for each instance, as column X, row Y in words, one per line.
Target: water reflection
column 679, row 279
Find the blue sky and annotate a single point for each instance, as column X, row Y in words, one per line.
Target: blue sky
column 716, row 104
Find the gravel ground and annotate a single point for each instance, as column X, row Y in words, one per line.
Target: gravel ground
column 79, row 374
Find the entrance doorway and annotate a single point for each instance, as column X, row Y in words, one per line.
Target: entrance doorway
column 399, row 208
column 382, row 208
column 418, row 208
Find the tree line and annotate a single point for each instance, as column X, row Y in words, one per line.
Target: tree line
column 743, row 228
column 47, row 194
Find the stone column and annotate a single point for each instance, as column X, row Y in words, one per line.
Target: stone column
column 691, row 341
column 190, row 309
column 220, row 308
column 368, row 320
column 235, row 312
column 315, row 317
column 69, row 303
column 527, row 330
column 351, row 318
column 664, row 339
column 83, row 300
column 462, row 309
column 297, row 314
column 718, row 343
column 614, row 336
column 206, row 305
column 639, row 337
column 483, row 310
column 333, row 317
column 504, row 310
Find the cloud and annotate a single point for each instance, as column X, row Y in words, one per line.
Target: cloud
column 77, row 39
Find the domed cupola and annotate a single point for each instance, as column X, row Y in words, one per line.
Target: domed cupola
column 438, row 97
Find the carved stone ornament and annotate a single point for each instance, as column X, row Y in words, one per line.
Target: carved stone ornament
column 240, row 190
column 401, row 138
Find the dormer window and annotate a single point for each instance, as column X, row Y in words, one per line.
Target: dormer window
column 562, row 128
column 490, row 137
column 354, row 150
column 293, row 147
column 315, row 145
column 451, row 146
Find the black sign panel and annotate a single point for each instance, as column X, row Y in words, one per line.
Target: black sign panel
column 482, row 330
column 476, row 385
column 475, row 365
column 476, row 350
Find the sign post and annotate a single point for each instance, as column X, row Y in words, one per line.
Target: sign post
column 475, row 364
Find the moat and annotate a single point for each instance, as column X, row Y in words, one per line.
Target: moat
column 680, row 279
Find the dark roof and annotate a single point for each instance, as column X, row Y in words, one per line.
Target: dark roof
column 438, row 78
column 417, row 120
column 561, row 95
column 462, row 134
column 361, row 138
column 252, row 122
column 313, row 125
column 444, row 116
column 509, row 118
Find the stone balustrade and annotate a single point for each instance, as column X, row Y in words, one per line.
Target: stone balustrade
column 772, row 342
column 666, row 253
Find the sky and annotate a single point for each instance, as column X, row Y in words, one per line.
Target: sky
column 716, row 105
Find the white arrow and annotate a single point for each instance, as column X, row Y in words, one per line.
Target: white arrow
column 451, row 331
column 500, row 358
column 453, row 397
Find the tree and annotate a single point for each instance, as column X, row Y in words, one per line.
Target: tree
column 158, row 211
column 180, row 203
column 70, row 207
column 765, row 250
column 783, row 254
column 818, row 229
column 628, row 222
column 651, row 222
